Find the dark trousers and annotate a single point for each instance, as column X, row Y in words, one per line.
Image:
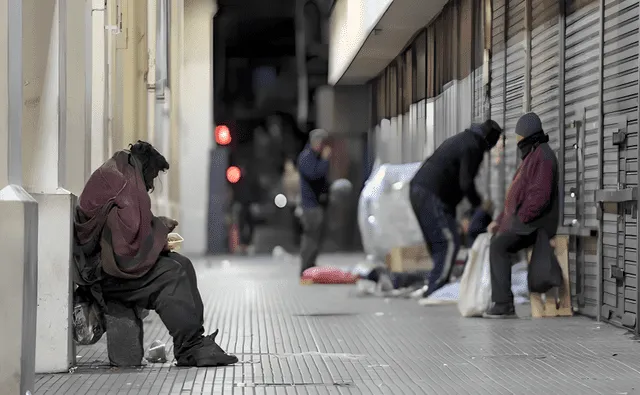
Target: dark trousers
column 246, row 225
column 503, row 246
column 170, row 288
column 312, row 236
column 440, row 232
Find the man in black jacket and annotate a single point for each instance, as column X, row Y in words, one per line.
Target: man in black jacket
column 313, row 164
column 446, row 177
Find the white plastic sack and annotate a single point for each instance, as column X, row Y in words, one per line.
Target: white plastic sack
column 475, row 286
column 385, row 215
column 449, row 294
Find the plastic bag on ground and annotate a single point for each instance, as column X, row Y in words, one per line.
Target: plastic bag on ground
column 88, row 319
column 519, row 288
column 475, row 285
column 449, row 294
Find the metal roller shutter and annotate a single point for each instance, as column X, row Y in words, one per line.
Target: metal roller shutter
column 497, row 98
column 515, row 68
column 545, row 70
column 620, row 162
column 581, row 148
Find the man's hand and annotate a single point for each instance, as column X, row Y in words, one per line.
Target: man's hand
column 326, row 153
column 169, row 223
column 493, row 227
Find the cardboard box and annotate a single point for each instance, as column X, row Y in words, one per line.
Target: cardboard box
column 408, row 259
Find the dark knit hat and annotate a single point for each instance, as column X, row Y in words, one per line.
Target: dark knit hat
column 528, row 125
column 492, row 132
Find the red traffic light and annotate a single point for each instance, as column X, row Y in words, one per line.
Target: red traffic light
column 233, row 174
column 223, row 135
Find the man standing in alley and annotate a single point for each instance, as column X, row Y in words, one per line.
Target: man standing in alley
column 446, row 177
column 313, row 165
column 531, row 211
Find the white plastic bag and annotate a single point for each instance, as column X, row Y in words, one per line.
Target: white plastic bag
column 385, row 216
column 475, row 285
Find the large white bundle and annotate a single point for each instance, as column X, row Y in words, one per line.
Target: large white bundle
column 385, row 216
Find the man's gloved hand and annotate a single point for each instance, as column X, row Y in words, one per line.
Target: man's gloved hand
column 169, row 223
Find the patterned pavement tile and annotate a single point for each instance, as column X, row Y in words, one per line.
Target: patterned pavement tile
column 294, row 339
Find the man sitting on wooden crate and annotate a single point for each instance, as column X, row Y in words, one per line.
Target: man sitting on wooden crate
column 446, row 177
column 531, row 206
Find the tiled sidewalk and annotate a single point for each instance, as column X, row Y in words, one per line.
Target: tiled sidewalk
column 322, row 340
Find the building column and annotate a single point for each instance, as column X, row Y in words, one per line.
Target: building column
column 176, row 30
column 58, row 128
column 196, row 116
column 19, row 213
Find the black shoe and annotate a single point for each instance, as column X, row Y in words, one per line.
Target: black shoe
column 207, row 354
column 501, row 310
column 210, row 340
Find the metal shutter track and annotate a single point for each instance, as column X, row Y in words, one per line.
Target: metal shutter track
column 620, row 97
column 581, row 104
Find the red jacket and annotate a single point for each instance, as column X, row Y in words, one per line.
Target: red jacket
column 532, row 189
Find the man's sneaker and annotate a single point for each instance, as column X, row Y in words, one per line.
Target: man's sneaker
column 419, row 293
column 501, row 310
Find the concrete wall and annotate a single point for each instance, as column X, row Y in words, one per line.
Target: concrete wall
column 345, row 112
column 344, row 109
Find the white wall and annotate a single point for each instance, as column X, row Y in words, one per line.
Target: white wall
column 350, row 23
column 196, row 123
column 99, row 144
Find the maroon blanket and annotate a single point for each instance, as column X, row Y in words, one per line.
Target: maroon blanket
column 115, row 230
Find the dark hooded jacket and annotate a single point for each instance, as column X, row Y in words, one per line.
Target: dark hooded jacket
column 314, row 184
column 532, row 200
column 450, row 171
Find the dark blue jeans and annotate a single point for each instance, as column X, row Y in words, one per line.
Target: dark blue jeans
column 440, row 232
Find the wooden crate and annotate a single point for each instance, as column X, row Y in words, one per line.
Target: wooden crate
column 408, row 259
column 562, row 306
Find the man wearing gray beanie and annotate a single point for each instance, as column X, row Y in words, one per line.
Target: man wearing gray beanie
column 531, row 207
column 444, row 179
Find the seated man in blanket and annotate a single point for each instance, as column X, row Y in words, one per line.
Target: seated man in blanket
column 121, row 253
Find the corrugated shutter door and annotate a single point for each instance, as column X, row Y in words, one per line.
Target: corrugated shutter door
column 497, row 99
column 545, row 77
column 620, row 162
column 514, row 99
column 482, row 180
column 440, row 120
column 581, row 165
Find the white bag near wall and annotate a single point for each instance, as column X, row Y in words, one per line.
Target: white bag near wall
column 475, row 285
column 385, row 215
